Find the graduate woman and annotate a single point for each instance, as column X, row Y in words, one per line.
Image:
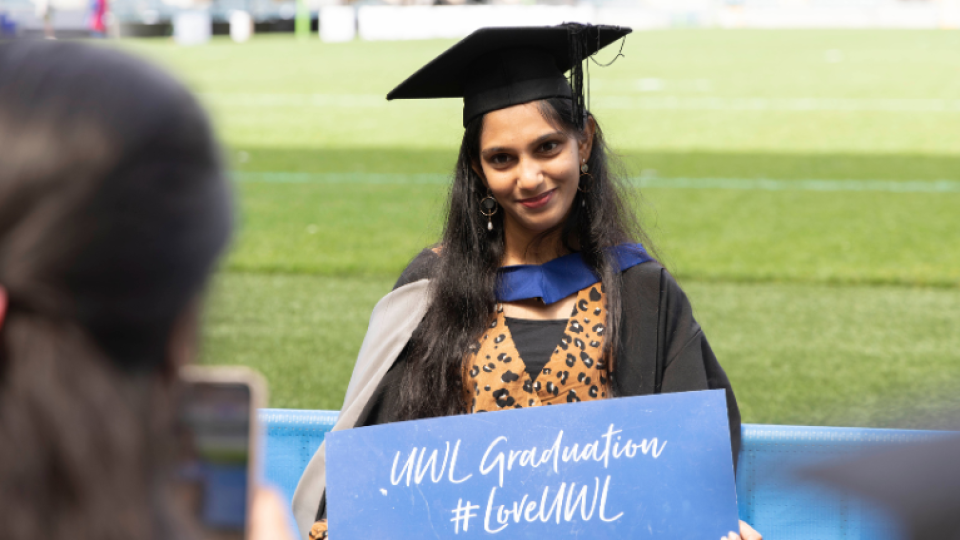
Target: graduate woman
column 538, row 293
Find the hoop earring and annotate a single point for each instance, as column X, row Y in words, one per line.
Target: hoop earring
column 489, row 207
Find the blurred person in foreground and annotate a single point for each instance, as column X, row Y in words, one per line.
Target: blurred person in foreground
column 917, row 484
column 113, row 211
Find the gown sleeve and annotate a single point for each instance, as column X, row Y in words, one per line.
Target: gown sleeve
column 688, row 361
column 382, row 407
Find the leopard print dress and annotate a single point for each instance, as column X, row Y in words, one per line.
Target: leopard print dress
column 495, row 377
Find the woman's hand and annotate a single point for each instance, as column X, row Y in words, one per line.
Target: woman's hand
column 746, row 533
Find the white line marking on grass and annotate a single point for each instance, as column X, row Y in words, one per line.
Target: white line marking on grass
column 341, row 178
column 756, row 184
column 780, row 104
column 295, row 100
column 895, row 105
column 767, row 184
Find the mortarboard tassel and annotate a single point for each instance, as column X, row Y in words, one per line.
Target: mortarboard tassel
column 577, row 36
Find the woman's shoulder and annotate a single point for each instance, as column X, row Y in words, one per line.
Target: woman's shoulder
column 421, row 267
column 642, row 275
column 650, row 284
column 651, row 274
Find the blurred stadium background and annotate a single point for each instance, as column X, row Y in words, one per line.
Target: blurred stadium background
column 800, row 175
column 380, row 19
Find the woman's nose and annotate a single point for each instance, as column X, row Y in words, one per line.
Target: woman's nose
column 531, row 174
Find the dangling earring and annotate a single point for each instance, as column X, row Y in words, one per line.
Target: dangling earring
column 584, row 171
column 489, row 207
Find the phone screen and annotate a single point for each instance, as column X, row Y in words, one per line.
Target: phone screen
column 214, row 456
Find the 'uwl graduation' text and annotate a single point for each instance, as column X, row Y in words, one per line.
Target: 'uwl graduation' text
column 563, row 502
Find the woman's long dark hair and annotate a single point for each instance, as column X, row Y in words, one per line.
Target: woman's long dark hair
column 463, row 296
column 113, row 210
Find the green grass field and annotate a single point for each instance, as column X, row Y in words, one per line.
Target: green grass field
column 804, row 186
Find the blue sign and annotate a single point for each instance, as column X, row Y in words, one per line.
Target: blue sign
column 639, row 467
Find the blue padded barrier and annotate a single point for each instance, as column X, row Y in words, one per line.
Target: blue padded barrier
column 781, row 506
column 293, row 436
column 770, row 497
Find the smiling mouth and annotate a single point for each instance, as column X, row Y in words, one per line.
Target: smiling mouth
column 539, row 200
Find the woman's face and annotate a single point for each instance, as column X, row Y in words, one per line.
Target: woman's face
column 531, row 167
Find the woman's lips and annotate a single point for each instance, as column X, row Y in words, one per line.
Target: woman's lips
column 539, row 200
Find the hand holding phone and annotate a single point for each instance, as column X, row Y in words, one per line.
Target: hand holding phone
column 218, row 446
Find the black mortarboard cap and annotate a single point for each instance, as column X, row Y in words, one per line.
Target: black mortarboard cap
column 495, row 68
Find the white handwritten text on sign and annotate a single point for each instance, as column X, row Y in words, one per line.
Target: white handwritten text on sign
column 633, row 467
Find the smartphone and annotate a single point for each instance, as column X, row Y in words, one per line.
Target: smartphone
column 218, row 443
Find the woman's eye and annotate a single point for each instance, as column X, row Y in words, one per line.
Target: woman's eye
column 549, row 146
column 500, row 159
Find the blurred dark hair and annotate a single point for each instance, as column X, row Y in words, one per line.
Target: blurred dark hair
column 113, row 209
column 463, row 287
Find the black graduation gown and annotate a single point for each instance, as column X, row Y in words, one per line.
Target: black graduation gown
column 662, row 348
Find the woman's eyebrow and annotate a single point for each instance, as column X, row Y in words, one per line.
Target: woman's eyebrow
column 495, row 150
column 544, row 138
column 539, row 140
